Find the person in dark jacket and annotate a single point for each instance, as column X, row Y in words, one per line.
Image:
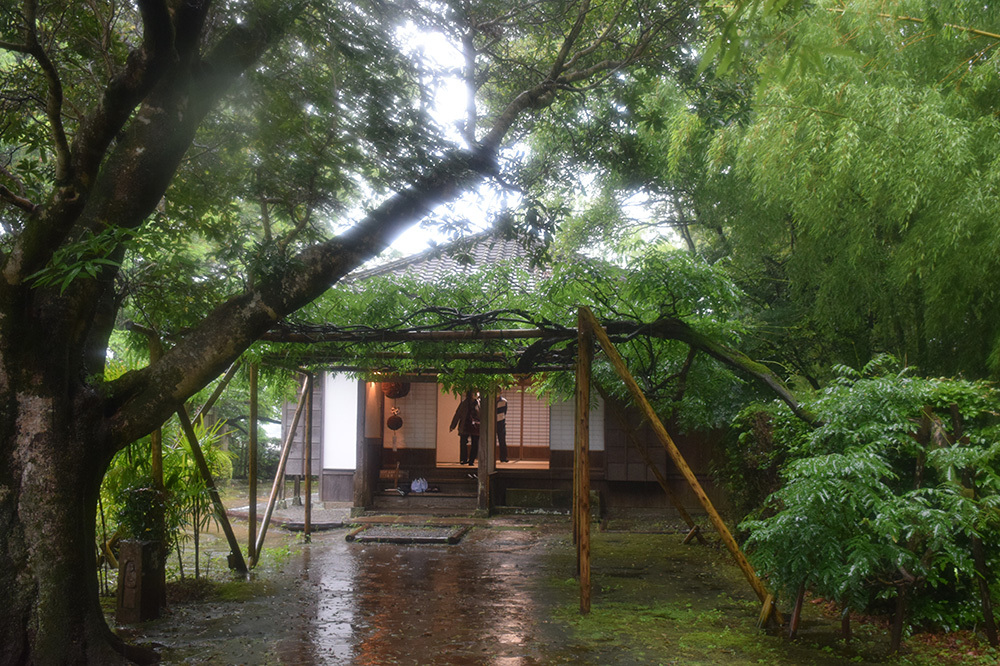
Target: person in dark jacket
column 466, row 419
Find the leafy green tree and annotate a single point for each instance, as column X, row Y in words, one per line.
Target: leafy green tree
column 842, row 170
column 204, row 170
column 881, row 164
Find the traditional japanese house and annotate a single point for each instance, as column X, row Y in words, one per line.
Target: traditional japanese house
column 370, row 440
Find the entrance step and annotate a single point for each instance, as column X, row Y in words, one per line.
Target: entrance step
column 436, row 504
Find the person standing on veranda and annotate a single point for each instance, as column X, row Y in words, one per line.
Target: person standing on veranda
column 502, row 426
column 466, row 419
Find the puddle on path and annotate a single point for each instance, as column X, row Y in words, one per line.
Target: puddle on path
column 482, row 601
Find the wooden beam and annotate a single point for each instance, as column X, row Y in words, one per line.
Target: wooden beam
column 675, row 455
column 404, row 336
column 506, row 370
column 581, row 446
column 236, row 558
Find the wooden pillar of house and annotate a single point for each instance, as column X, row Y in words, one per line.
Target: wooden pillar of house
column 366, row 464
column 307, row 455
column 252, row 465
column 487, row 447
column 675, row 455
column 581, row 458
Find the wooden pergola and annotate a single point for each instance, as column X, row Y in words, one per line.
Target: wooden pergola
column 539, row 356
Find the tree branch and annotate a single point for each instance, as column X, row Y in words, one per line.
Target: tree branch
column 17, row 201
column 54, row 100
column 676, row 329
column 17, row 48
column 567, row 45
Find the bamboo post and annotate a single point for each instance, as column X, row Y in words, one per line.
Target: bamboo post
column 675, row 455
column 236, row 560
column 278, row 477
column 307, row 453
column 581, row 445
column 520, row 423
column 252, row 466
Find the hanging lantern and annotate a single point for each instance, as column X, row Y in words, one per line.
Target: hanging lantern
column 394, row 422
column 395, row 389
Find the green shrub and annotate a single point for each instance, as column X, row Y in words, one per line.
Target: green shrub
column 887, row 494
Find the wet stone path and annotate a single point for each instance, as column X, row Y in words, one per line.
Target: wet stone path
column 485, row 600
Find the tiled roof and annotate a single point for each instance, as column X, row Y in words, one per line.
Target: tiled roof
column 462, row 256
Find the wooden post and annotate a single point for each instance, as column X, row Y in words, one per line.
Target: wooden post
column 156, row 458
column 898, row 619
column 236, row 560
column 156, row 437
column 675, row 455
column 581, row 446
column 364, row 470
column 279, row 481
column 252, row 466
column 307, row 452
column 982, row 577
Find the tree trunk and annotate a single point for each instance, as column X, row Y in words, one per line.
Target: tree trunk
column 48, row 567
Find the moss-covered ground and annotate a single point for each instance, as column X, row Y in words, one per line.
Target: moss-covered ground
column 657, row 601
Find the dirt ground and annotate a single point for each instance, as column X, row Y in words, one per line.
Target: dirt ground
column 505, row 595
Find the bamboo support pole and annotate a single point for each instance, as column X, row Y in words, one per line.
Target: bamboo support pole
column 156, row 437
column 766, row 610
column 252, row 466
column 236, row 558
column 278, row 476
column 581, row 445
column 675, row 455
column 307, row 453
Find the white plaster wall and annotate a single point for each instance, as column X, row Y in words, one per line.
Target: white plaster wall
column 340, row 422
column 562, row 421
